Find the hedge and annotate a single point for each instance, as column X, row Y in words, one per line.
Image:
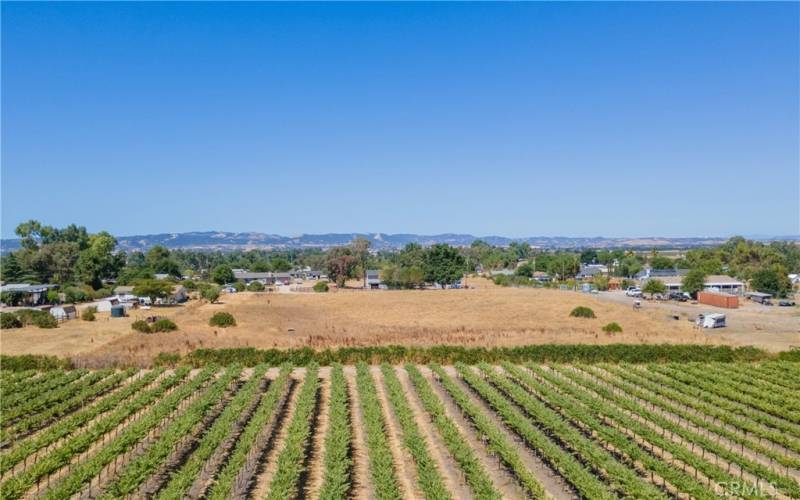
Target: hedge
column 545, row 353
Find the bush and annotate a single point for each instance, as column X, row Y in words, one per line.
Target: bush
column 222, row 320
column 167, row 359
column 256, row 286
column 25, row 362
column 210, row 293
column 9, row 320
column 582, row 312
column 74, row 294
column 102, row 293
column 41, row 319
column 88, row 313
column 612, row 328
column 45, row 320
column 163, row 325
column 239, row 286
column 141, row 325
column 321, row 286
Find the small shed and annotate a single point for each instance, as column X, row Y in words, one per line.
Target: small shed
column 105, row 305
column 63, row 313
column 118, row 311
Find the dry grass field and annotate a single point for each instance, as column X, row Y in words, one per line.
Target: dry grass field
column 483, row 316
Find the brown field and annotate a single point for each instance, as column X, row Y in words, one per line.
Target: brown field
column 484, row 316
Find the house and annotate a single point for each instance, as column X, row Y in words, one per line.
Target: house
column 282, row 278
column 589, row 271
column 714, row 283
column 501, row 272
column 373, row 279
column 25, row 294
column 161, row 276
column 648, row 273
column 248, row 277
column 541, row 277
column 64, row 312
column 794, row 279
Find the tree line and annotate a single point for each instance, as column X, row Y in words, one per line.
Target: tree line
column 84, row 264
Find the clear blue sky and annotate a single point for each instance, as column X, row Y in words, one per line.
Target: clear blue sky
column 616, row 119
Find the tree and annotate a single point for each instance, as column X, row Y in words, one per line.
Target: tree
column 443, row 264
column 280, row 265
column 694, row 281
column 155, row 289
column 210, row 293
column 773, row 281
column 525, row 270
column 10, row 272
column 360, row 247
column 222, row 275
column 160, row 260
column 339, row 263
column 98, row 261
column 589, row 256
column 654, row 286
column 661, row 262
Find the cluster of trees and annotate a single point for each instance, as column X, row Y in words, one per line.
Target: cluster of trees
column 414, row 266
column 82, row 262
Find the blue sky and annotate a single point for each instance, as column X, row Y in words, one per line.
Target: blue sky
column 615, row 119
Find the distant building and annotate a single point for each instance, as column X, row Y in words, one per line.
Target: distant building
column 28, row 295
column 501, row 272
column 589, row 271
column 161, row 276
column 373, row 279
column 719, row 283
column 648, row 273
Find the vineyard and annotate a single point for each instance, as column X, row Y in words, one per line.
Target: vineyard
column 484, row 431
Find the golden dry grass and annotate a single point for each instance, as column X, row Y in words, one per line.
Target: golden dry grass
column 484, row 316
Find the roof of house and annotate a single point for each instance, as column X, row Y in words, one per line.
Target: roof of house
column 123, row 289
column 711, row 280
column 247, row 275
column 25, row 287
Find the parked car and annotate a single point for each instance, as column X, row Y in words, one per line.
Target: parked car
column 679, row 296
column 786, row 303
column 633, row 291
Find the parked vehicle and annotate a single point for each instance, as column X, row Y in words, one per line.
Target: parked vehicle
column 679, row 296
column 716, row 320
column 786, row 303
column 633, row 291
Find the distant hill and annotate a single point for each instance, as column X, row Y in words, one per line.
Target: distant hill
column 225, row 241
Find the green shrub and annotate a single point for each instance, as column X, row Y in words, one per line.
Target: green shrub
column 163, row 325
column 42, row 319
column 9, row 320
column 45, row 320
column 239, row 286
column 141, row 325
column 210, row 293
column 74, row 294
column 222, row 320
column 612, row 328
column 167, row 359
column 25, row 362
column 88, row 313
column 582, row 312
column 101, row 293
column 256, row 286
column 321, row 286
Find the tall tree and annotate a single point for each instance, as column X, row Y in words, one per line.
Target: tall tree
column 360, row 247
